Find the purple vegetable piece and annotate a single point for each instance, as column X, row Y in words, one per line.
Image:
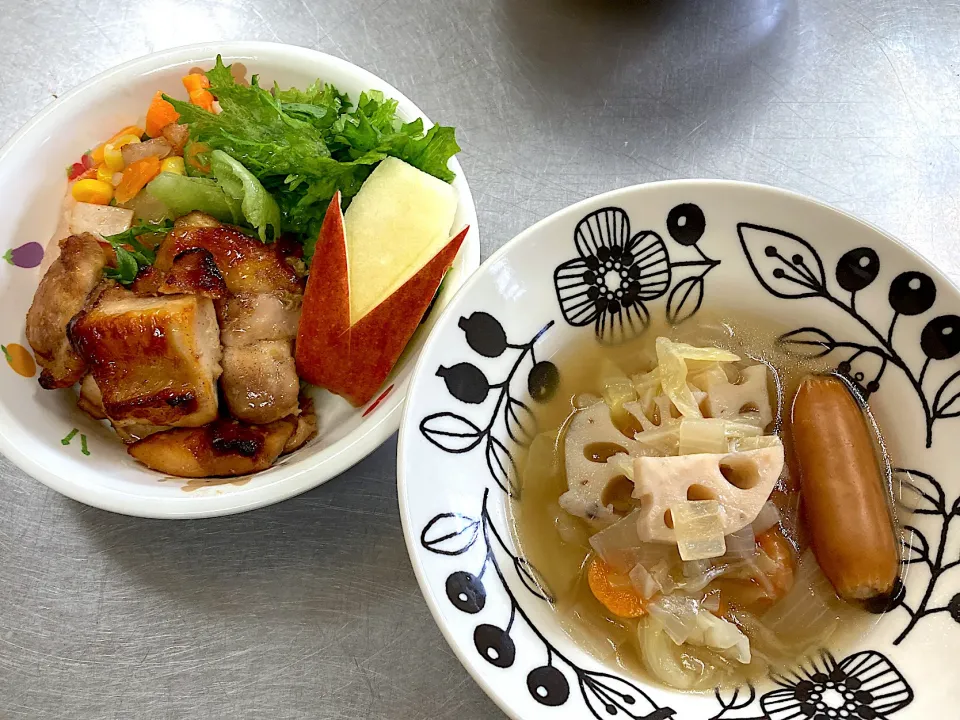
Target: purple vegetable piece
column 28, row 255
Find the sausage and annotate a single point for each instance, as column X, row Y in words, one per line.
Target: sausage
column 844, row 499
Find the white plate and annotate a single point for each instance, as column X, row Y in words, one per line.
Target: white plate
column 33, row 421
column 816, row 271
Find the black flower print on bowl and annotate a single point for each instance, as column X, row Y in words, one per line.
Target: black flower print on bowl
column 454, row 433
column 617, row 273
column 921, row 495
column 789, row 267
column 551, row 681
column 863, row 686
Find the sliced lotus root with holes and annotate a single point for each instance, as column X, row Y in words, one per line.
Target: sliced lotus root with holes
column 595, row 477
column 741, row 482
column 727, row 400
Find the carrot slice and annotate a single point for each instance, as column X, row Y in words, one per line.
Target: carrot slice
column 159, row 115
column 621, row 601
column 135, row 177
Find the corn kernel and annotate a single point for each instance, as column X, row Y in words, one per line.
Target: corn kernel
column 173, row 165
column 104, row 174
column 112, row 151
column 95, row 192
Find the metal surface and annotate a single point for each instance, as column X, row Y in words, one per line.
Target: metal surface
column 310, row 608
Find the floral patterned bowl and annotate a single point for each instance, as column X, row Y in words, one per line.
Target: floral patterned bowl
column 44, row 432
column 599, row 272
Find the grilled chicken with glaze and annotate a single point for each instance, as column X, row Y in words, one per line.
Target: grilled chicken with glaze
column 258, row 317
column 155, row 360
column 60, row 296
column 217, row 308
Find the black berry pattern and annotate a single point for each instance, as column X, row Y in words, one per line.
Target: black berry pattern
column 686, row 224
column 861, row 686
column 919, row 494
column 454, row 433
column 789, row 267
column 484, row 334
column 617, row 273
column 604, row 696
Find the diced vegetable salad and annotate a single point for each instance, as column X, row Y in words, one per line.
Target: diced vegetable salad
column 265, row 159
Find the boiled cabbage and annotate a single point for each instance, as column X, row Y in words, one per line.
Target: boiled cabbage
column 672, row 366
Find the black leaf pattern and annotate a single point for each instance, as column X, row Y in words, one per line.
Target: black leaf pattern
column 807, row 342
column 454, row 433
column 789, row 267
column 501, row 466
column 946, row 403
column 685, row 299
column 532, row 579
column 450, row 534
column 520, row 421
column 920, row 493
column 786, row 265
column 451, row 432
column 608, row 695
column 731, row 700
column 604, row 695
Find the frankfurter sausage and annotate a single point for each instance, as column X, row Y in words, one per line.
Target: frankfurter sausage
column 841, row 486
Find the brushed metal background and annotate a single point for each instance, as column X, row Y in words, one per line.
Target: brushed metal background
column 310, row 609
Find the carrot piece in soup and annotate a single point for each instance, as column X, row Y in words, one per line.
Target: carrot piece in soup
column 622, row 601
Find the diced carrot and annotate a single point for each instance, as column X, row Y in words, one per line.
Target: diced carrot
column 195, row 81
column 622, row 601
column 202, row 98
column 159, row 115
column 196, row 85
column 192, row 157
column 135, row 177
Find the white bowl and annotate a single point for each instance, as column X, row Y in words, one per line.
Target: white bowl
column 715, row 237
column 33, row 421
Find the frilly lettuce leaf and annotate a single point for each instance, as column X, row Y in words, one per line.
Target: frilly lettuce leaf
column 259, row 208
column 304, row 145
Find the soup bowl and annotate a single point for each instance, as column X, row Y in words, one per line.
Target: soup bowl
column 44, row 432
column 607, row 270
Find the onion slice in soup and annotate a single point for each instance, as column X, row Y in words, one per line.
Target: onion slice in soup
column 620, row 546
column 809, row 609
column 742, row 543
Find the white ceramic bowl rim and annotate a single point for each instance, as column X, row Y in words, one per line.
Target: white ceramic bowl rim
column 427, row 361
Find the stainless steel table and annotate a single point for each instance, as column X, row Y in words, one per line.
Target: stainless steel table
column 310, row 608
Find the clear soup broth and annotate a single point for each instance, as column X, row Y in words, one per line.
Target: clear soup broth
column 767, row 588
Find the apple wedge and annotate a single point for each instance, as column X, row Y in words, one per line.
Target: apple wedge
column 352, row 359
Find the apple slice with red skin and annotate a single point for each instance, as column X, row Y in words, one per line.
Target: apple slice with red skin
column 353, row 360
